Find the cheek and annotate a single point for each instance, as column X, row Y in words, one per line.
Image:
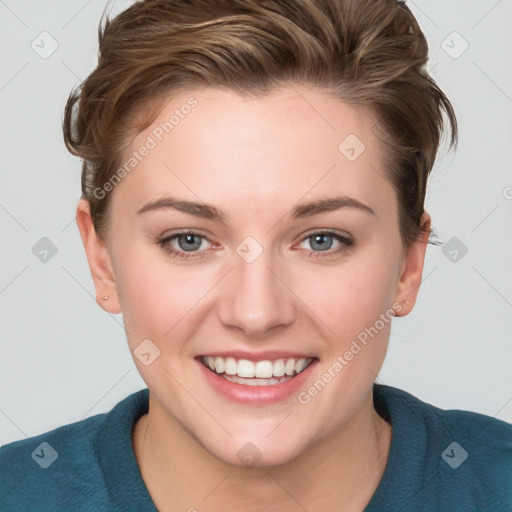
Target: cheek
column 155, row 294
column 355, row 301
column 351, row 295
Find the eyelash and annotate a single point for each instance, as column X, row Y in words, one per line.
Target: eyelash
column 347, row 243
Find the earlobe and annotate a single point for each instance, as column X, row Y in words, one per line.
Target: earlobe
column 412, row 270
column 99, row 260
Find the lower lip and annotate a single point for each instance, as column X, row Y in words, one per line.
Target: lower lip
column 256, row 394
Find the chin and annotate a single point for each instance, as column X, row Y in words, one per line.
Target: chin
column 250, row 455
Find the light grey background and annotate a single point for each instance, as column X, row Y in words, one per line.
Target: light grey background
column 64, row 359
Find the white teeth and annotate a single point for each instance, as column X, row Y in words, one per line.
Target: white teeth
column 230, row 365
column 256, row 381
column 289, row 367
column 300, row 365
column 245, row 369
column 278, row 368
column 261, row 369
column 219, row 365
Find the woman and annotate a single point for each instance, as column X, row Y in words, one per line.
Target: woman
column 253, row 204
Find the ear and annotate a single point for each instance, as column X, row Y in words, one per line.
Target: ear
column 99, row 260
column 411, row 271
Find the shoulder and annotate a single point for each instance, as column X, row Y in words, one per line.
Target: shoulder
column 398, row 400
column 477, row 456
column 47, row 466
column 480, row 433
column 459, row 460
column 60, row 469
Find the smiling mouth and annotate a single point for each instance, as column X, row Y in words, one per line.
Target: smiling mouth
column 256, row 373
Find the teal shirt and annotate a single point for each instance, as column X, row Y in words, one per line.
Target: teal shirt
column 440, row 461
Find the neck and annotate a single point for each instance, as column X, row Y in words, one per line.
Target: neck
column 338, row 473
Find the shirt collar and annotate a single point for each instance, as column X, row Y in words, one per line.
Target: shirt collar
column 117, row 458
column 409, row 468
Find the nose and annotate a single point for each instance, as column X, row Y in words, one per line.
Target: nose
column 256, row 299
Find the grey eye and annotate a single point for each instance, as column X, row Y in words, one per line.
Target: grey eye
column 321, row 242
column 189, row 242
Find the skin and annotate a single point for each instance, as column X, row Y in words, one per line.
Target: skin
column 255, row 159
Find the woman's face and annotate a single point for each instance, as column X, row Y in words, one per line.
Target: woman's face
column 293, row 252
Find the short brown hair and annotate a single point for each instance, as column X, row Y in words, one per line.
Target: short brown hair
column 368, row 53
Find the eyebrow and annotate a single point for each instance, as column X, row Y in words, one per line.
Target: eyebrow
column 207, row 211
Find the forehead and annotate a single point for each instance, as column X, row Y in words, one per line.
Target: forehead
column 218, row 146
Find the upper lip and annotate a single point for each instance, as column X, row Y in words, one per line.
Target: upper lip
column 266, row 355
